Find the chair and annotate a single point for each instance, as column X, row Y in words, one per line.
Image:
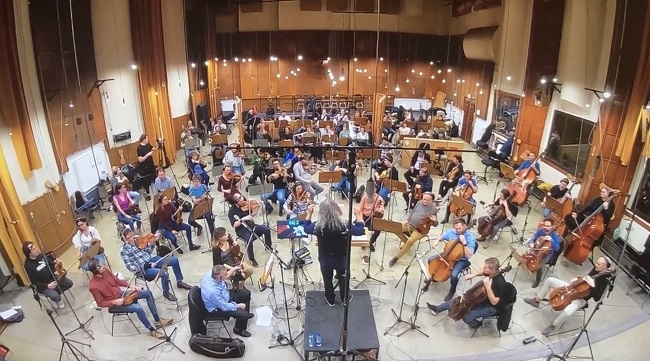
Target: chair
column 115, row 314
column 199, row 317
column 507, row 310
column 510, row 229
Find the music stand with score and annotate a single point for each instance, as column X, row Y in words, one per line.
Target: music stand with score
column 554, row 205
column 331, row 178
column 462, row 204
column 507, row 171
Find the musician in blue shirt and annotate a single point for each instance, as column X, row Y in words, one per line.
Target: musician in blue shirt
column 220, row 301
column 531, row 161
column 546, row 232
column 462, row 234
column 465, row 181
column 199, row 194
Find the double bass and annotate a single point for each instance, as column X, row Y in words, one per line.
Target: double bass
column 519, row 187
column 469, row 299
column 578, row 244
column 561, row 297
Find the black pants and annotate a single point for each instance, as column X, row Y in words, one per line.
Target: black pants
column 327, row 267
column 260, row 231
column 445, row 186
column 240, row 316
column 375, row 234
column 257, row 174
column 408, row 195
column 409, row 175
column 481, row 144
column 209, row 217
column 498, row 156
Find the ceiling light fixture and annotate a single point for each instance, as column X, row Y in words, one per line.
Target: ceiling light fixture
column 206, row 63
column 299, row 57
column 193, row 65
column 508, row 78
column 397, row 87
column 134, row 67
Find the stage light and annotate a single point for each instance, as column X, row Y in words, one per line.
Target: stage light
column 412, row 71
column 397, row 88
column 201, row 83
column 430, row 63
column 554, row 80
column 134, row 67
column 71, row 105
column 477, row 84
column 408, row 80
column 250, row 60
column 433, row 77
column 449, row 70
column 480, row 92
column 193, row 65
column 277, row 75
column 206, row 63
column 606, row 95
column 381, row 59
column 444, row 80
column 543, row 80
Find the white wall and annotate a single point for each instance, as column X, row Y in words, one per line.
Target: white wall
column 113, row 59
column 178, row 87
column 33, row 187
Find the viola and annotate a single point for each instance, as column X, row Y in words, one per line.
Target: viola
column 251, row 206
column 561, row 297
column 465, row 192
column 130, row 298
column 535, row 257
column 417, row 193
column 425, row 225
column 519, row 187
column 59, row 270
column 578, row 244
column 469, row 299
column 440, row 268
column 486, row 225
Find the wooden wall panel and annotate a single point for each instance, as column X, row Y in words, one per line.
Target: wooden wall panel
column 55, row 232
column 337, row 5
column 364, row 6
column 391, row 7
column 129, row 151
column 250, row 6
column 311, row 5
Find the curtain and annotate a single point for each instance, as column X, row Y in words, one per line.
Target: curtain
column 13, row 108
column 149, row 55
column 637, row 100
column 211, row 51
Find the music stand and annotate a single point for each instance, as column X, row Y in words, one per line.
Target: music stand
column 554, row 205
column 260, row 190
column 330, row 177
column 521, row 263
column 462, row 204
column 200, row 210
column 168, row 338
column 191, row 144
column 218, row 139
column 507, row 171
column 261, row 143
column 308, row 140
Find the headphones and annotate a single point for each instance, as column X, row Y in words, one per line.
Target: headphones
column 609, row 262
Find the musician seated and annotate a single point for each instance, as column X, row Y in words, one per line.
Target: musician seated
column 557, row 192
column 424, row 182
column 452, row 175
column 218, row 127
column 109, row 292
column 575, row 218
column 197, row 166
column 504, row 152
column 225, row 251
column 532, row 164
column 199, row 194
column 418, row 162
column 297, row 202
column 119, row 178
column 362, row 138
column 371, row 206
column 167, row 223
column 162, row 182
column 243, row 220
column 234, row 158
column 126, row 209
column 387, row 131
column 142, row 263
column 262, row 133
column 386, row 150
column 219, row 301
column 500, row 293
column 465, row 181
column 386, row 171
column 40, row 270
column 425, row 208
column 187, row 136
column 279, row 178
column 547, row 232
column 511, row 211
column 85, row 238
column 303, row 172
column 597, row 279
column 345, row 132
column 347, row 182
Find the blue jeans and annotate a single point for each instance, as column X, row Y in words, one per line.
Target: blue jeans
column 547, row 212
column 135, row 196
column 343, row 185
column 178, row 227
column 205, row 178
column 279, row 195
column 384, row 193
column 483, row 309
column 138, row 310
column 455, row 272
column 100, row 257
column 238, row 169
column 150, row 273
column 134, row 222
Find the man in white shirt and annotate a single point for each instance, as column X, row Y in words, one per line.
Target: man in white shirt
column 284, row 116
column 84, row 239
column 303, row 173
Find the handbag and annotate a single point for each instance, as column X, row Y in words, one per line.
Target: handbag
column 217, row 347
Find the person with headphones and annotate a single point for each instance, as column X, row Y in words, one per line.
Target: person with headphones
column 136, row 259
column 598, row 279
column 109, row 291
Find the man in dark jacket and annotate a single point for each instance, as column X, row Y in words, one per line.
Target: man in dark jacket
column 40, row 270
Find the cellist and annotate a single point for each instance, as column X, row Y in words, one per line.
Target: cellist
column 575, row 218
column 532, row 163
column 598, row 287
column 465, row 181
column 498, row 292
column 461, row 233
column 222, row 253
column 452, row 176
column 546, row 232
column 511, row 211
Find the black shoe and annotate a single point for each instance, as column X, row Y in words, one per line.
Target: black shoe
column 183, row 285
column 147, row 197
column 194, row 247
column 535, row 284
column 449, row 296
column 254, row 262
column 433, row 309
column 180, row 251
column 329, row 303
column 372, row 248
column 392, row 262
column 199, row 231
column 281, row 213
column 242, row 333
column 169, row 296
column 250, row 315
column 446, row 220
column 268, row 211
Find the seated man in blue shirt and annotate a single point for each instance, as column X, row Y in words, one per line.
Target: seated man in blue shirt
column 220, row 301
column 468, row 242
column 547, row 232
column 525, row 168
column 162, row 182
column 465, row 183
column 199, row 194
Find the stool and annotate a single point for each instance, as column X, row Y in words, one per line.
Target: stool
column 119, row 314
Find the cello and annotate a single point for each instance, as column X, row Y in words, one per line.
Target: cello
column 519, row 187
column 578, row 244
column 486, row 224
column 561, row 297
column 465, row 192
column 440, row 268
column 476, row 294
column 535, row 257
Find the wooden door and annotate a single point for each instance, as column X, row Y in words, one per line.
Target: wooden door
column 469, row 109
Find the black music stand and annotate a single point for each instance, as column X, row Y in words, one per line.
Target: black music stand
column 330, row 177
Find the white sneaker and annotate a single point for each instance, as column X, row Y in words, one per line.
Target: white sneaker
column 305, row 240
column 61, row 304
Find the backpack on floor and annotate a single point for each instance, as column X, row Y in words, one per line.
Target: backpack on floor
column 217, row 347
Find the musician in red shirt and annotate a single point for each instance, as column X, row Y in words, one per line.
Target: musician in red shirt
column 167, row 223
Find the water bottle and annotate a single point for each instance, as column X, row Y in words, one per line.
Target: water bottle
column 319, row 341
column 310, row 340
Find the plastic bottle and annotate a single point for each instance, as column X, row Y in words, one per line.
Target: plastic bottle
column 310, row 339
column 319, row 341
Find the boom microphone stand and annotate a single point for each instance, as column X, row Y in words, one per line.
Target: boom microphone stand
column 398, row 316
column 65, row 342
column 520, row 240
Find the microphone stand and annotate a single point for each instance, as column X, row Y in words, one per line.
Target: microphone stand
column 398, row 317
column 65, row 342
column 366, row 271
column 81, row 325
column 520, row 240
column 416, row 309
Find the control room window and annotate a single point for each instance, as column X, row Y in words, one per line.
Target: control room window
column 643, row 195
column 568, row 145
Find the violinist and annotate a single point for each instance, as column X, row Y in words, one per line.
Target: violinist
column 234, row 158
column 348, row 178
column 297, row 202
column 139, row 260
column 424, row 182
column 453, row 174
column 371, row 206
column 198, row 194
column 499, row 294
column 597, row 285
column 228, row 182
column 303, row 172
column 386, row 171
column 279, row 178
column 197, row 165
column 547, row 232
column 424, row 209
column 40, row 270
column 418, row 162
column 166, row 213
column 225, row 251
column 557, row 192
column 125, row 207
column 119, row 178
column 465, row 181
column 461, row 233
column 511, row 211
column 575, row 218
column 260, row 164
column 243, row 220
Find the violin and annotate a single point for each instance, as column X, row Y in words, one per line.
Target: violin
column 130, row 298
column 535, row 257
column 452, row 173
column 440, row 268
column 519, row 187
column 465, row 192
column 251, row 206
column 178, row 215
column 486, row 225
column 59, row 270
column 417, row 193
column 425, row 225
column 578, row 244
column 561, row 297
column 469, row 299
column 143, row 241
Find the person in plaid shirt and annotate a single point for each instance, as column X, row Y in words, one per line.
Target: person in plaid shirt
column 137, row 259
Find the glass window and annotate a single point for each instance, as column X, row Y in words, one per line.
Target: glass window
column 643, row 195
column 506, row 112
column 568, row 145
